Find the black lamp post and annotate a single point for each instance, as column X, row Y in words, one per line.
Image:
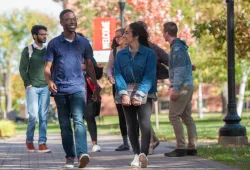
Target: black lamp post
column 122, row 7
column 232, row 132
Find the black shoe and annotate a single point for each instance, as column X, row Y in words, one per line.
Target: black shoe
column 191, row 152
column 176, row 153
column 122, row 148
column 156, row 144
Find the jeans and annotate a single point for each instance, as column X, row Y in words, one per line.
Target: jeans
column 67, row 105
column 143, row 113
column 38, row 100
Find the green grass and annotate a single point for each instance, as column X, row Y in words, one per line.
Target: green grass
column 235, row 156
column 207, row 129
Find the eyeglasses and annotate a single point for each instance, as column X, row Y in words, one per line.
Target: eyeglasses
column 70, row 19
column 118, row 36
column 43, row 34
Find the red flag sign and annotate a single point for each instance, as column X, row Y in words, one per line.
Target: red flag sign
column 104, row 31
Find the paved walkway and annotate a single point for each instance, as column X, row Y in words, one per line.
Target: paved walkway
column 13, row 155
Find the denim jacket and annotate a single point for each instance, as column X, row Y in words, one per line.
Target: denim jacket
column 139, row 69
column 180, row 66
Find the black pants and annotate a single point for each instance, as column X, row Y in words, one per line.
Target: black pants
column 122, row 120
column 92, row 110
column 139, row 114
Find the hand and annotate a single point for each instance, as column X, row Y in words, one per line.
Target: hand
column 111, row 80
column 193, row 68
column 100, row 65
column 173, row 95
column 52, row 87
column 136, row 102
column 96, row 94
column 29, row 86
column 126, row 100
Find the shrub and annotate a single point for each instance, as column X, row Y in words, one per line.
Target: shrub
column 7, row 128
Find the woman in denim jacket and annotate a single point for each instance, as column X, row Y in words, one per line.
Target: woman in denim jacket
column 137, row 64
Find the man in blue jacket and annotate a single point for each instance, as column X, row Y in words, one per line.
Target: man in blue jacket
column 181, row 91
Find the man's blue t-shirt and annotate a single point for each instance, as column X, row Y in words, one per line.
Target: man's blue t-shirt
column 67, row 58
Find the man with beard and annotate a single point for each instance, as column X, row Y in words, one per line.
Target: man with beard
column 37, row 91
column 63, row 72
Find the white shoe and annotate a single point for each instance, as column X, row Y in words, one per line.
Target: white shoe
column 143, row 160
column 83, row 160
column 135, row 162
column 96, row 148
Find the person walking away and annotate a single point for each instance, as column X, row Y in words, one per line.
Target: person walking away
column 66, row 53
column 181, row 79
column 37, row 92
column 135, row 80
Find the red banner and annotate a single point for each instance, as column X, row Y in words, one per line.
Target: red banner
column 103, row 33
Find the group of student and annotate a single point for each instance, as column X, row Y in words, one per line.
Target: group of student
column 67, row 70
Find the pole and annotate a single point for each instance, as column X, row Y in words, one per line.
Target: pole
column 232, row 132
column 122, row 7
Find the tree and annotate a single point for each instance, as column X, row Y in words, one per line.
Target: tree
column 14, row 35
column 216, row 29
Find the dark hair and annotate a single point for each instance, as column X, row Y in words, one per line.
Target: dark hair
column 35, row 29
column 143, row 24
column 64, row 12
column 138, row 30
column 171, row 28
column 114, row 43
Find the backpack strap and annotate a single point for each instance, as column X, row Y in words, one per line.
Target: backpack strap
column 30, row 51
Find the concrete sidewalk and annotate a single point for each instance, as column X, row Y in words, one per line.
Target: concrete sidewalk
column 13, row 155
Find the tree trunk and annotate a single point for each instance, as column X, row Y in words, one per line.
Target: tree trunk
column 240, row 102
column 200, row 99
column 224, row 98
column 8, row 85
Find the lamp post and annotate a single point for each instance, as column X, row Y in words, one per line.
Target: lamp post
column 122, row 7
column 232, row 132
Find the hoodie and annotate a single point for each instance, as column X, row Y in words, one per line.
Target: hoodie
column 180, row 66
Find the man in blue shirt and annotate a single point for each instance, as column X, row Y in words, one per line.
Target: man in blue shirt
column 181, row 92
column 67, row 52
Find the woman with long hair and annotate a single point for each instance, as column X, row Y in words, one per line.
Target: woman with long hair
column 117, row 45
column 135, row 80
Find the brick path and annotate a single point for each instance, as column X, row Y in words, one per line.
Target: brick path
column 13, row 155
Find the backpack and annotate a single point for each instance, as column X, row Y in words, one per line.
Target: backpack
column 30, row 51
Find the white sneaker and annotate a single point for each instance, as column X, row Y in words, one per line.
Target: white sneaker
column 143, row 160
column 135, row 162
column 96, row 148
column 83, row 160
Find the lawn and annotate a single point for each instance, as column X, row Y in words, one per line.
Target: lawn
column 207, row 129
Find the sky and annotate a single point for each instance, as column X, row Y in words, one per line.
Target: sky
column 47, row 6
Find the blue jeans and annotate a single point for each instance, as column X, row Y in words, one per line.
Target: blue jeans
column 38, row 100
column 67, row 105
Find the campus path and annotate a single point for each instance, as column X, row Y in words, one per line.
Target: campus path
column 13, row 155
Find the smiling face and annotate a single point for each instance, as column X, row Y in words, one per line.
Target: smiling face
column 128, row 37
column 118, row 38
column 69, row 22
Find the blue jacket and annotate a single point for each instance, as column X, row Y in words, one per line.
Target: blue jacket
column 138, row 69
column 180, row 66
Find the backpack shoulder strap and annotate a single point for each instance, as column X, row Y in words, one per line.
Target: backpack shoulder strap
column 30, row 50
